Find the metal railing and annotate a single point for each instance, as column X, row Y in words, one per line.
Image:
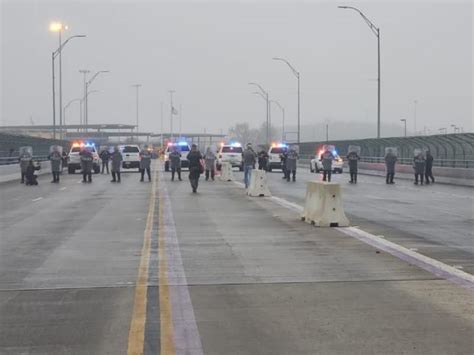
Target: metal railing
column 14, row 159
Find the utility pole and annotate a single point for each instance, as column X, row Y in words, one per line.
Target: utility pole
column 137, row 87
column 84, row 72
column 171, row 114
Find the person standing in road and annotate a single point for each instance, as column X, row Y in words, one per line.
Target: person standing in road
column 116, row 163
column 175, row 161
column 429, row 168
column 145, row 163
column 283, row 157
column 263, row 160
column 353, row 159
column 291, row 162
column 195, row 167
column 56, row 160
column 105, row 156
column 390, row 162
column 210, row 160
column 86, row 164
column 249, row 158
column 327, row 157
column 26, row 155
column 419, row 167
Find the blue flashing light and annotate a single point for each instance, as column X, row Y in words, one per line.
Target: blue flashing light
column 235, row 144
column 182, row 143
column 334, row 152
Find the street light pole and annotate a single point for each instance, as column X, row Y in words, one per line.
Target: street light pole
column 376, row 31
column 404, row 120
column 265, row 96
column 54, row 97
column 171, row 114
column 86, row 100
column 83, row 103
column 137, row 87
column 297, row 74
column 283, row 120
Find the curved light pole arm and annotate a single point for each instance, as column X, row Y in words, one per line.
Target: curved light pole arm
column 261, row 95
column 295, row 72
column 57, row 51
column 260, row 87
column 373, row 28
column 95, row 76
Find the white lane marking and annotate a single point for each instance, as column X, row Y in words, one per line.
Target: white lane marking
column 62, row 189
column 37, row 199
column 186, row 333
column 450, row 273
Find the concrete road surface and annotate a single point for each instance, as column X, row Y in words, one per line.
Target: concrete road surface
column 151, row 268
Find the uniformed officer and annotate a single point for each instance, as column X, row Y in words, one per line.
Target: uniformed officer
column 175, row 161
column 327, row 159
column 390, row 162
column 429, row 168
column 291, row 162
column 353, row 160
column 145, row 163
column 26, row 155
column 86, row 164
column 419, row 167
column 116, row 163
column 55, row 156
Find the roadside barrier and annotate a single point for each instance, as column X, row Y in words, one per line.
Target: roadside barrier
column 226, row 172
column 323, row 205
column 258, row 184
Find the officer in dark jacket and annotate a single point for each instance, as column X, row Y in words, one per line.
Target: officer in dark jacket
column 175, row 162
column 390, row 162
column 55, row 157
column 419, row 167
column 30, row 176
column 116, row 163
column 291, row 163
column 429, row 168
column 145, row 163
column 86, row 164
column 283, row 157
column 195, row 168
column 105, row 156
column 262, row 160
column 353, row 160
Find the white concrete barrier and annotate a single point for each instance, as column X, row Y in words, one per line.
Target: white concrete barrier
column 323, row 205
column 226, row 172
column 258, row 184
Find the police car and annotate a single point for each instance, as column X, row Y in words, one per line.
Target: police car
column 183, row 148
column 316, row 164
column 230, row 153
column 130, row 156
column 274, row 152
column 74, row 159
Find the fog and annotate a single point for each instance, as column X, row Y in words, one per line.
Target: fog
column 208, row 52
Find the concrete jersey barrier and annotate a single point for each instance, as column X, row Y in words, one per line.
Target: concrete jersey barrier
column 226, row 172
column 323, row 205
column 258, row 184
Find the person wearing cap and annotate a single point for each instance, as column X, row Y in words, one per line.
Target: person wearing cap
column 145, row 163
column 195, row 167
column 249, row 158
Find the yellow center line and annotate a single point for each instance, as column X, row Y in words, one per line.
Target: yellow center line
column 168, row 346
column 136, row 334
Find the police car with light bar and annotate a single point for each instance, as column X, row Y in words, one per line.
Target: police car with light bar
column 183, row 147
column 230, row 153
column 274, row 152
column 74, row 159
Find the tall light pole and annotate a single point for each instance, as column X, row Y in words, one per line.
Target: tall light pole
column 59, row 28
column 297, row 74
column 265, row 95
column 283, row 119
column 376, row 31
column 67, row 105
column 86, row 102
column 137, row 87
column 404, row 120
column 84, row 72
column 82, row 104
column 171, row 113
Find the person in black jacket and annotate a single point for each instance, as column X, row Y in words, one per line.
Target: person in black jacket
column 105, row 156
column 262, row 160
column 429, row 168
column 30, row 176
column 195, row 168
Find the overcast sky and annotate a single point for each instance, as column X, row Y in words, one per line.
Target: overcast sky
column 209, row 51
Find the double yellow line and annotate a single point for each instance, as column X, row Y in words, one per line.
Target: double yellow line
column 136, row 335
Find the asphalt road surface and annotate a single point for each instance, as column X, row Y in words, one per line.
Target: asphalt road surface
column 151, row 268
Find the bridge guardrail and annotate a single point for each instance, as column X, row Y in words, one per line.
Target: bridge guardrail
column 14, row 160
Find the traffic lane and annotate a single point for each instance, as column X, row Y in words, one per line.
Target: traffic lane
column 436, row 220
column 68, row 268
column 263, row 282
column 88, row 232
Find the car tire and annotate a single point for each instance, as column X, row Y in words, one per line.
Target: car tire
column 71, row 170
column 167, row 166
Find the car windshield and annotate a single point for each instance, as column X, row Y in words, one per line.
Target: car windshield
column 130, row 149
column 278, row 150
column 231, row 149
column 75, row 150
